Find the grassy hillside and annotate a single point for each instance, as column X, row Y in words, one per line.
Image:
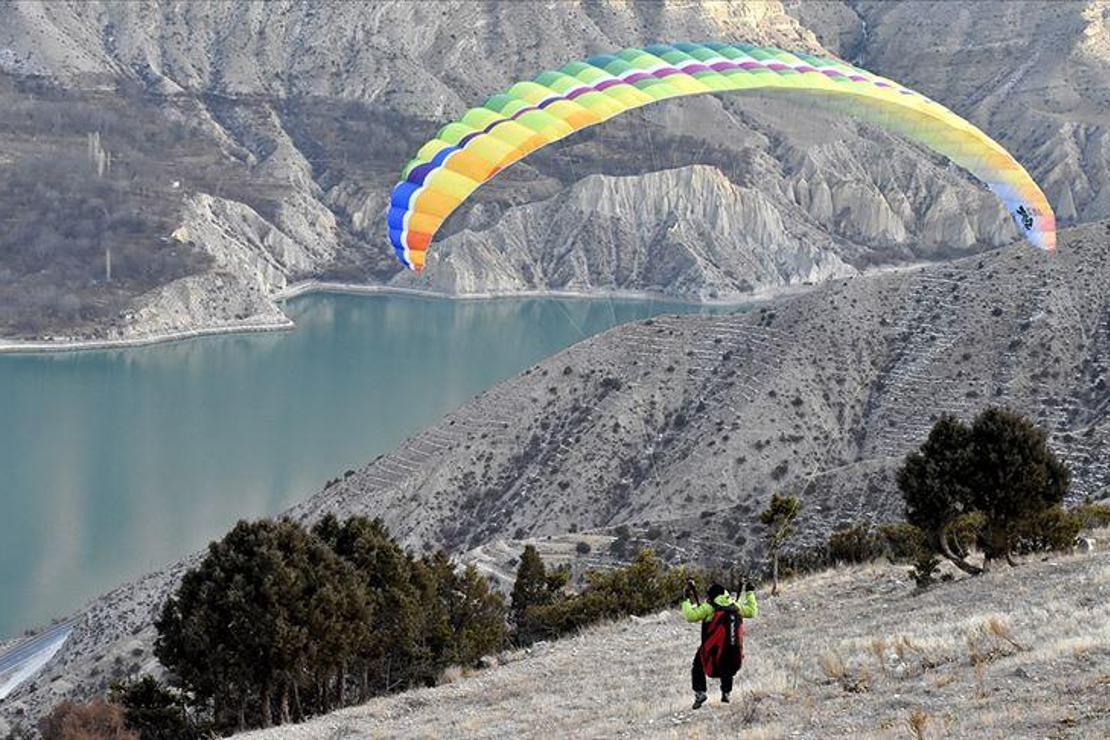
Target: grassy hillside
column 853, row 651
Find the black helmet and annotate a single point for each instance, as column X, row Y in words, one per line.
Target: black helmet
column 715, row 590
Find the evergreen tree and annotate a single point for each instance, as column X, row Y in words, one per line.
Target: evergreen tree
column 245, row 628
column 432, row 577
column 935, row 483
column 388, row 645
column 1016, row 478
column 477, row 616
column 779, row 518
column 985, row 484
column 531, row 586
column 154, row 711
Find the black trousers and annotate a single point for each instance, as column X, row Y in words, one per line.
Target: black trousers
column 697, row 677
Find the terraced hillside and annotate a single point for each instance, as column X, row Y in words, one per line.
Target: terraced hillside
column 678, row 422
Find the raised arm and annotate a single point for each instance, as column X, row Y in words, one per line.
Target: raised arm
column 748, row 607
column 698, row 613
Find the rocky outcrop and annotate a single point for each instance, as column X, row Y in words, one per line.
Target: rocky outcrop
column 1035, row 75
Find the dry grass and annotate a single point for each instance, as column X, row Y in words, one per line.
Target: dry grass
column 852, row 652
column 832, row 665
column 918, row 723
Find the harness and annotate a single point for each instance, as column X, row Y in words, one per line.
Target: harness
column 722, row 642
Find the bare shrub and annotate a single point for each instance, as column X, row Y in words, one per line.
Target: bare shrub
column 944, row 680
column 856, row 679
column 997, row 626
column 878, row 647
column 97, row 719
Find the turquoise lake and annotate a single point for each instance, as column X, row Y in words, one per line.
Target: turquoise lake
column 116, row 462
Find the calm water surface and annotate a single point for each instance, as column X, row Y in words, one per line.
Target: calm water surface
column 116, row 462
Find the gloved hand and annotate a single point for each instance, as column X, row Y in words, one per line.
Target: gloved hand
column 691, row 590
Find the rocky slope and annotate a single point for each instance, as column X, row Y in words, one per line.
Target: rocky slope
column 299, row 115
column 679, row 420
column 969, row 659
column 675, row 431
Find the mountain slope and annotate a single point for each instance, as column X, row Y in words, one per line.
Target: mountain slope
column 1035, row 74
column 295, row 118
column 901, row 653
column 680, row 428
column 672, row 419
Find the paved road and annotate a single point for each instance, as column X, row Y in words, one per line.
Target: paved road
column 25, row 658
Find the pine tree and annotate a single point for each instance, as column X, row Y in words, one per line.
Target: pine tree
column 387, row 646
column 1016, row 478
column 779, row 518
column 531, row 586
column 936, row 486
column 247, row 624
column 477, row 617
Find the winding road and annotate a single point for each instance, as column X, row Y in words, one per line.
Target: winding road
column 21, row 661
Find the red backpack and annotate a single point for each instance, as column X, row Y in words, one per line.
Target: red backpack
column 722, row 642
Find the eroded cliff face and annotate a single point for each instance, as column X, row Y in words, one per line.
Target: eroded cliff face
column 688, row 233
column 315, row 106
column 791, row 195
column 432, row 58
column 1036, row 75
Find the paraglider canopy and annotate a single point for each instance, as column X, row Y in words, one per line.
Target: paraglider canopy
column 532, row 114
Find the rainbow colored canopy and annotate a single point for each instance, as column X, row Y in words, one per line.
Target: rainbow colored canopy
column 531, row 114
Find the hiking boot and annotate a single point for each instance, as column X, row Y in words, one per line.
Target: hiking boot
column 699, row 699
column 724, row 697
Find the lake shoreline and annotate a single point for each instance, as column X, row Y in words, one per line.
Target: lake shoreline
column 314, row 287
column 28, row 347
column 163, row 434
column 311, row 287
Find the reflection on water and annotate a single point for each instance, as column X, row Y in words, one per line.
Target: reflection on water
column 116, row 462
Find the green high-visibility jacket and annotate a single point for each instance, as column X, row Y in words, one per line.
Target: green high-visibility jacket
column 748, row 607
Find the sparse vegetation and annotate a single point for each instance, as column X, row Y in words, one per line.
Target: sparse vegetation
column 923, row 641
column 90, row 174
column 544, row 609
